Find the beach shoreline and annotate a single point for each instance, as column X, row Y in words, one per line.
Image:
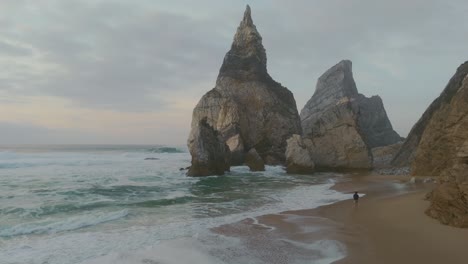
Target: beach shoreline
column 393, row 228
column 388, row 226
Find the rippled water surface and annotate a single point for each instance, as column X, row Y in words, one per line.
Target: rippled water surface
column 72, row 204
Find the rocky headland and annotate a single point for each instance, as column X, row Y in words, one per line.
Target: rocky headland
column 437, row 146
column 247, row 107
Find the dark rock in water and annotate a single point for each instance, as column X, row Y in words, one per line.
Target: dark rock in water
column 247, row 107
column 341, row 126
column 438, row 146
column 210, row 155
column 151, row 159
column 254, row 161
column 164, row 150
column 298, row 158
column 186, row 168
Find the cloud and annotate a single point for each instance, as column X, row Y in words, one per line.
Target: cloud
column 23, row 133
column 409, row 48
column 56, row 120
column 146, row 57
column 7, row 49
column 116, row 55
column 26, row 133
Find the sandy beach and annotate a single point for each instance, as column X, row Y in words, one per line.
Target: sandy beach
column 392, row 228
column 388, row 226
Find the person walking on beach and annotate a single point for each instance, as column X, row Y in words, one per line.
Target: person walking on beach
column 356, row 198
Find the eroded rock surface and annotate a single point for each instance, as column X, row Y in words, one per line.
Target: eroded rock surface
column 438, row 146
column 210, row 154
column 449, row 204
column 298, row 158
column 407, row 153
column 341, row 126
column 247, row 107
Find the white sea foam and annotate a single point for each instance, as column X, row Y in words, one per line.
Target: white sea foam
column 62, row 238
column 71, row 223
column 219, row 250
column 178, row 251
column 87, row 246
column 327, row 251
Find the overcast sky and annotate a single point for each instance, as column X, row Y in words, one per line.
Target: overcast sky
column 123, row 72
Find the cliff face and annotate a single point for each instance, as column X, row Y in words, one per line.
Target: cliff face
column 247, row 107
column 442, row 150
column 406, row 155
column 341, row 126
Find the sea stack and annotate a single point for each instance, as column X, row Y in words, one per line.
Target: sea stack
column 341, row 126
column 438, row 146
column 247, row 107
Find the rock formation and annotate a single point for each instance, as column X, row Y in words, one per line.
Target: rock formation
column 438, row 146
column 254, row 161
column 341, row 126
column 247, row 107
column 210, row 155
column 298, row 158
column 383, row 156
column 406, row 155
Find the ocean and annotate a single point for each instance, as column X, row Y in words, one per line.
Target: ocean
column 65, row 204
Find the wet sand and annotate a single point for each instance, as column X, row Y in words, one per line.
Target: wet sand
column 391, row 227
column 388, row 226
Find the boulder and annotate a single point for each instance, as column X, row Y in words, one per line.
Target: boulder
column 449, row 204
column 247, row 107
column 298, row 158
column 254, row 161
column 341, row 126
column 210, row 154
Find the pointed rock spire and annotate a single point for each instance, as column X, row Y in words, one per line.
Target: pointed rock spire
column 251, row 112
column 247, row 32
column 247, row 21
column 338, row 80
column 247, row 58
column 342, row 124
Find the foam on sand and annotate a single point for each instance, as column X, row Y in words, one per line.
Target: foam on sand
column 327, row 251
column 177, row 251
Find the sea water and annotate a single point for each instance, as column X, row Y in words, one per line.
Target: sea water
column 134, row 204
